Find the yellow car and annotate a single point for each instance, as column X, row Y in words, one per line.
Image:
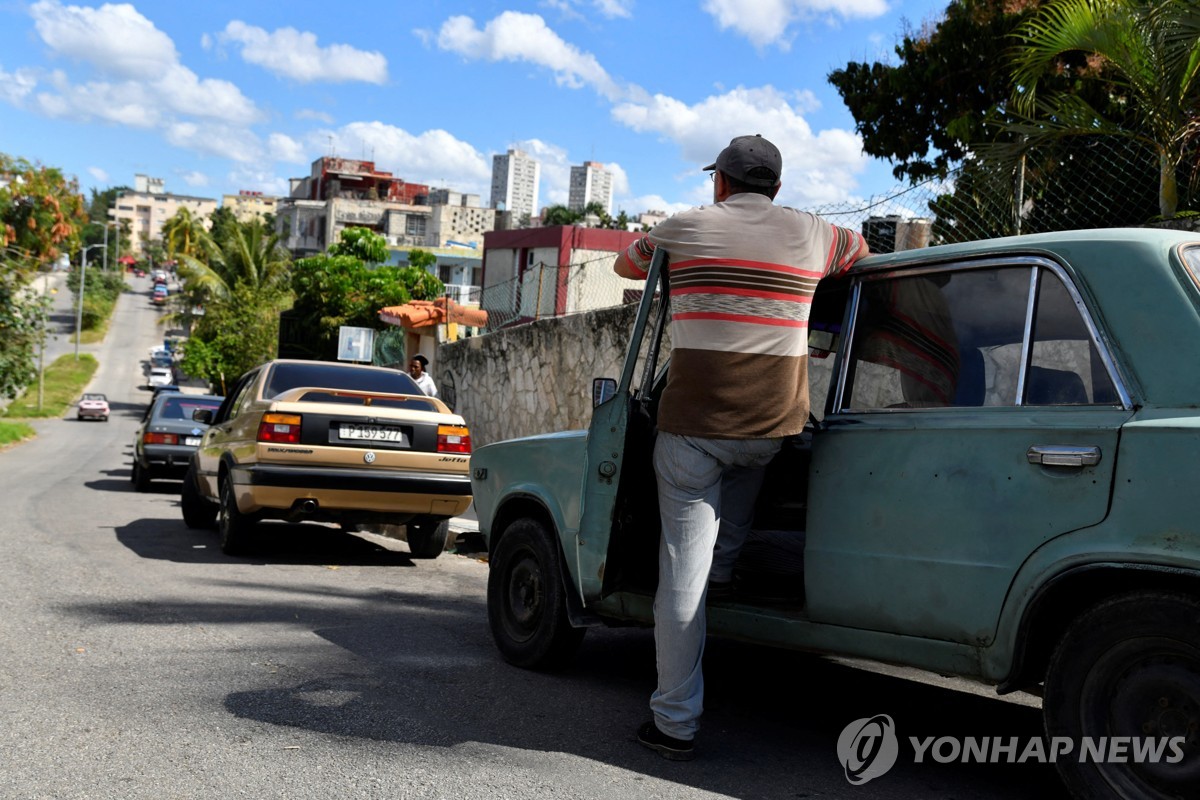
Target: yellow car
column 329, row 442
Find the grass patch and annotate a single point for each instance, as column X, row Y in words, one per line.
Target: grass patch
column 13, row 432
column 64, row 382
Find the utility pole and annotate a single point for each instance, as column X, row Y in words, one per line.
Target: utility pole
column 82, row 285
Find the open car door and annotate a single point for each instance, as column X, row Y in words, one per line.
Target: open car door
column 620, row 437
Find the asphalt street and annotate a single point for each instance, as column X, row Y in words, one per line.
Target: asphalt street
column 137, row 661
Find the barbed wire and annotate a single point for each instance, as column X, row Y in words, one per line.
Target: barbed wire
column 1074, row 183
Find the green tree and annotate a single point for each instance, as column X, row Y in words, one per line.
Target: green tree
column 21, row 320
column 223, row 222
column 184, row 234
column 1148, row 54
column 335, row 290
column 363, row 244
column 241, row 287
column 94, row 231
column 560, row 215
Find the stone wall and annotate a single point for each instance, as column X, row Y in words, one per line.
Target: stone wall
column 533, row 378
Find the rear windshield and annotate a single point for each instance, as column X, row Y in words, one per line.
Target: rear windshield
column 328, row 375
column 182, row 406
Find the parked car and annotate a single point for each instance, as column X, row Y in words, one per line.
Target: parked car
column 160, row 376
column 168, row 435
column 330, row 442
column 93, row 405
column 160, row 294
column 990, row 487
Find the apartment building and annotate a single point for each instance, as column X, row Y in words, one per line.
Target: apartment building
column 143, row 211
column 247, row 206
column 590, row 183
column 515, row 177
column 344, row 192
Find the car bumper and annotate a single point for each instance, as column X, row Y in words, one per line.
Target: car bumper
column 166, row 460
column 93, row 413
column 273, row 487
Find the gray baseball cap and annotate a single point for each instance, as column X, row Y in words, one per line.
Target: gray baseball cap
column 749, row 159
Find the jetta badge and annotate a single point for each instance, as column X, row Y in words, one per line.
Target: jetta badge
column 369, row 457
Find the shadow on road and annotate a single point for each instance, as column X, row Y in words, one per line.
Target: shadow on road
column 272, row 543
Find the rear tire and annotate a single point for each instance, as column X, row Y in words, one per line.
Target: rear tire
column 140, row 477
column 198, row 511
column 427, row 539
column 233, row 526
column 527, row 607
column 1129, row 667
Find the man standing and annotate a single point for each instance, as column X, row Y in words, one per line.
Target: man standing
column 416, row 371
column 743, row 272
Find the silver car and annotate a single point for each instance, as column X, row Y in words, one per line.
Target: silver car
column 168, row 435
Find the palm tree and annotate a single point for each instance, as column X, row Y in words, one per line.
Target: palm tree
column 249, row 257
column 184, row 234
column 1148, row 51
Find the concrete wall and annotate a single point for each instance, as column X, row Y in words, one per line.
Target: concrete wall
column 532, row 378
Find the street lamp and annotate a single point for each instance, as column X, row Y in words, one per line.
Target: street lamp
column 106, row 227
column 82, row 284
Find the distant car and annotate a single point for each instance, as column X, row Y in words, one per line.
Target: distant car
column 160, row 376
column 170, row 387
column 168, row 435
column 93, row 405
column 160, row 294
column 161, row 359
column 330, row 442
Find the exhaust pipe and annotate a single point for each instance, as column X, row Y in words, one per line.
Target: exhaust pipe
column 307, row 506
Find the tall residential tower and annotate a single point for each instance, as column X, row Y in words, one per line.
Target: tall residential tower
column 515, row 183
column 590, row 183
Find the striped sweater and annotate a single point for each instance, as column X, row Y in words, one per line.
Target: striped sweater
column 743, row 274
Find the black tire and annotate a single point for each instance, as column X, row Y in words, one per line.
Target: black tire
column 140, row 477
column 233, row 527
column 1130, row 666
column 527, row 608
column 427, row 539
column 198, row 511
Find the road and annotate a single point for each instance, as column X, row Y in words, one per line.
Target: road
column 140, row 662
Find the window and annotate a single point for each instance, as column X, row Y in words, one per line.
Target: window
column 414, row 225
column 958, row 339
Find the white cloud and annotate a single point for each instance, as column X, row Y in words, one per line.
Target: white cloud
column 216, row 139
column 194, row 178
column 248, row 177
column 115, row 39
column 555, row 171
column 281, row 147
column 513, row 36
column 15, row 87
column 100, row 175
column 614, row 8
column 140, row 66
column 817, row 169
column 766, row 22
column 319, row 116
column 295, row 54
column 434, row 157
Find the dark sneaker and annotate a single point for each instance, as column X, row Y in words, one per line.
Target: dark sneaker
column 667, row 746
column 719, row 590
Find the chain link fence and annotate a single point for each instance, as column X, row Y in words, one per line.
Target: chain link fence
column 1075, row 183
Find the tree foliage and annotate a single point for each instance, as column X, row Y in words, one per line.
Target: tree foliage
column 332, row 291
column 184, row 234
column 1146, row 54
column 363, row 244
column 41, row 210
column 241, row 283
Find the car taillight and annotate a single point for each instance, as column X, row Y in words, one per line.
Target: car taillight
column 159, row 438
column 453, row 439
column 283, row 428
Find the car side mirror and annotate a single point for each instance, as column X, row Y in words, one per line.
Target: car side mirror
column 603, row 390
column 204, row 415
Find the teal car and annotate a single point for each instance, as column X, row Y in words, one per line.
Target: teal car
column 996, row 484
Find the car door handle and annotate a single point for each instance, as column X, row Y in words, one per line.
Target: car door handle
column 1063, row 455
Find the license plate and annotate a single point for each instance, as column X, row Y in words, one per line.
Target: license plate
column 191, row 441
column 371, row 433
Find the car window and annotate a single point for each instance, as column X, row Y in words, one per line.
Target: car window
column 330, row 375
column 958, row 339
column 242, row 395
column 182, row 406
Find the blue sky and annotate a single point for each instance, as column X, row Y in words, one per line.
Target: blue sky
column 216, row 97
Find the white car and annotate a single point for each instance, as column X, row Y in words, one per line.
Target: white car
column 160, row 376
